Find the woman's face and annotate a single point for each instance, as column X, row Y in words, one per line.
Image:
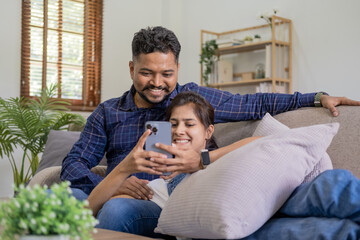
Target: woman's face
column 187, row 130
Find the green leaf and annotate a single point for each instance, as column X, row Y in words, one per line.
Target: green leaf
column 26, row 123
column 208, row 57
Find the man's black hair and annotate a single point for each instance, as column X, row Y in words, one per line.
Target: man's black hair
column 155, row 39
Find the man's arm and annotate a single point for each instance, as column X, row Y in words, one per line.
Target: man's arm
column 86, row 153
column 235, row 107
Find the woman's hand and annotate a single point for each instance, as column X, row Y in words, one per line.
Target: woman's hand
column 184, row 161
column 138, row 159
column 117, row 181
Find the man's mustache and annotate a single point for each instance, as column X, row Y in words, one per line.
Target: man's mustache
column 150, row 87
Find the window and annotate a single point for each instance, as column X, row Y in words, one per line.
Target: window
column 61, row 43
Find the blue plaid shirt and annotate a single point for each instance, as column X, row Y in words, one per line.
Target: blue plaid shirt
column 116, row 125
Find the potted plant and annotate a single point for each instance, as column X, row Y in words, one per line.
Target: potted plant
column 267, row 16
column 208, row 58
column 26, row 123
column 257, row 38
column 248, row 39
column 36, row 213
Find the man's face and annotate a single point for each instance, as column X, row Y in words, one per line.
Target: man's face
column 154, row 76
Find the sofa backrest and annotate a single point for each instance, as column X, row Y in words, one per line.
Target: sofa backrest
column 344, row 150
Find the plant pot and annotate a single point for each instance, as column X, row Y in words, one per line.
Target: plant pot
column 257, row 40
column 45, row 237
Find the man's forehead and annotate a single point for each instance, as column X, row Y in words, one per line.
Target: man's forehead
column 160, row 56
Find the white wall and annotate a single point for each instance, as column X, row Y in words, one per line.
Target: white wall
column 121, row 20
column 326, row 38
column 325, row 42
column 10, row 43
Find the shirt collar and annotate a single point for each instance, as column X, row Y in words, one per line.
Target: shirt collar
column 127, row 101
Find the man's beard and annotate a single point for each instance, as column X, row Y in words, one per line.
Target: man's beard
column 166, row 89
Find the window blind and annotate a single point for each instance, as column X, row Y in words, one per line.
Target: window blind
column 61, row 43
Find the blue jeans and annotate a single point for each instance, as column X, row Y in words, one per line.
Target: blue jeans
column 127, row 215
column 326, row 208
column 79, row 194
column 131, row 216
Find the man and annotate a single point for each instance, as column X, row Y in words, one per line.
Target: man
column 116, row 125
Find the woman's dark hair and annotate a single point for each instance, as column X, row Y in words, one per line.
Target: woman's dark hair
column 155, row 39
column 202, row 109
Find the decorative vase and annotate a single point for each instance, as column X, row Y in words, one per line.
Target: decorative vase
column 45, row 237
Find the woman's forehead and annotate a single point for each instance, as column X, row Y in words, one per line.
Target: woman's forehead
column 186, row 111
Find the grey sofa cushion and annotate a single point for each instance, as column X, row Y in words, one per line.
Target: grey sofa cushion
column 58, row 145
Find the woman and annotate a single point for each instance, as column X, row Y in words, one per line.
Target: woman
column 192, row 119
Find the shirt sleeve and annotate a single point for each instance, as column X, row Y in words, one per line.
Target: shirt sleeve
column 235, row 107
column 86, row 153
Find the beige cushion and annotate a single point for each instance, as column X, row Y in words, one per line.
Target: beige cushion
column 237, row 194
column 51, row 175
column 269, row 125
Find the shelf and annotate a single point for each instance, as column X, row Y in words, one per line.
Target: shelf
column 248, row 47
column 246, row 82
column 277, row 58
column 243, row 82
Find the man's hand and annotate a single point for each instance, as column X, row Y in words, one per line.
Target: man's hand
column 184, row 161
column 136, row 188
column 330, row 103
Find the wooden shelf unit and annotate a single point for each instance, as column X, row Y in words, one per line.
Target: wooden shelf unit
column 279, row 72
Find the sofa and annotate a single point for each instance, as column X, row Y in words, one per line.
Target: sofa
column 344, row 150
column 194, row 205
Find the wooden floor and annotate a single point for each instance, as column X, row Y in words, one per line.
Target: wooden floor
column 104, row 234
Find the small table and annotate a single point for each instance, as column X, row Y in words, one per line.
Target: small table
column 103, row 234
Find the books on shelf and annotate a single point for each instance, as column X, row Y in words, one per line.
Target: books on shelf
column 222, row 72
column 281, row 61
column 268, row 61
column 266, row 87
column 228, row 42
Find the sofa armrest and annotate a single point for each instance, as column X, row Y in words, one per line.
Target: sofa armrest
column 46, row 176
column 51, row 175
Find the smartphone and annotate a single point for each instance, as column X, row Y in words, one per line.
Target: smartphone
column 160, row 133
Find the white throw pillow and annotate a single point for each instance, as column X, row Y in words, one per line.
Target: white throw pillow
column 269, row 125
column 236, row 195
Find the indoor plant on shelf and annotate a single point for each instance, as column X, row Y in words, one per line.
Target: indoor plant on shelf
column 26, row 123
column 248, row 39
column 257, row 38
column 267, row 16
column 36, row 213
column 208, row 58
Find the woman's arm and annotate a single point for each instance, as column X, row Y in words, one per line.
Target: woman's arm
column 106, row 189
column 188, row 161
column 135, row 161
